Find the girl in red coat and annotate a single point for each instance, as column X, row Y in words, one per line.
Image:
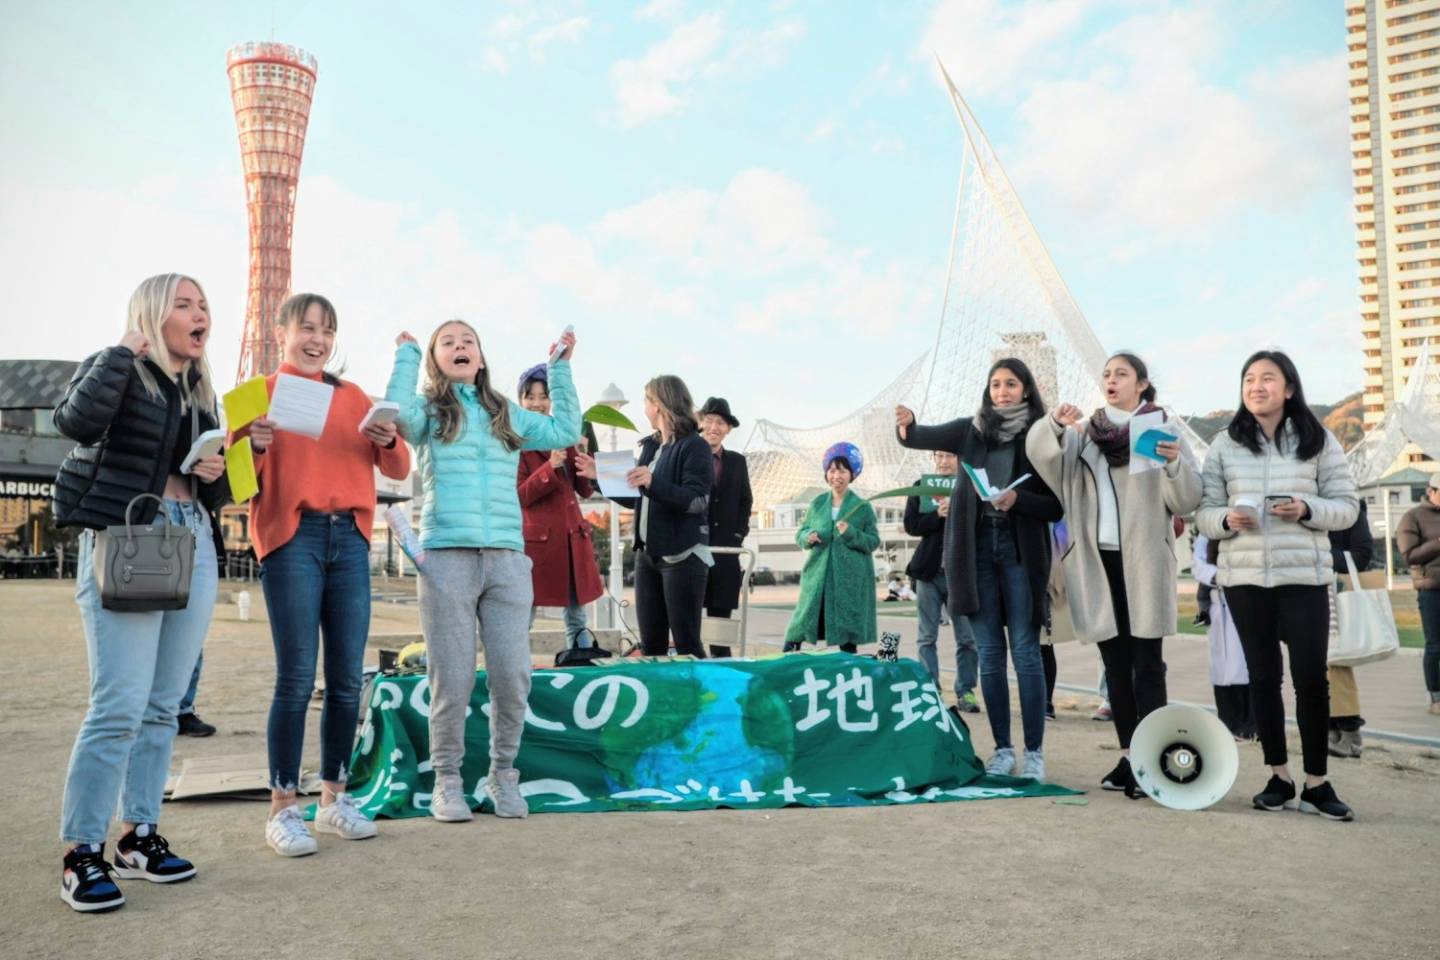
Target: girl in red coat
column 557, row 537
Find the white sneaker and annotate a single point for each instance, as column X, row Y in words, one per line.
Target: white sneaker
column 503, row 789
column 1002, row 763
column 287, row 834
column 447, row 803
column 1034, row 766
column 344, row 819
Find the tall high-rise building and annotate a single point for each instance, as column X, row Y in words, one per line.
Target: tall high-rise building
column 272, row 85
column 1394, row 75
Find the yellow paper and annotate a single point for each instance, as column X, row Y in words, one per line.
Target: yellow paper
column 240, row 469
column 245, row 403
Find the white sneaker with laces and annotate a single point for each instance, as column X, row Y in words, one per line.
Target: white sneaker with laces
column 447, row 803
column 287, row 834
column 344, row 819
column 1002, row 763
column 503, row 789
column 1034, row 766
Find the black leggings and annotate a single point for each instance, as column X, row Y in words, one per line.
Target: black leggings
column 1299, row 617
column 668, row 601
column 1134, row 666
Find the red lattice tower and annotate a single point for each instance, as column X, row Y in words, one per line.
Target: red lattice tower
column 272, row 85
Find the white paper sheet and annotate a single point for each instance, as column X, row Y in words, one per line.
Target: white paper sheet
column 610, row 470
column 1140, row 423
column 300, row 405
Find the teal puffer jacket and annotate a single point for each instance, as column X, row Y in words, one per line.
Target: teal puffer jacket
column 470, row 493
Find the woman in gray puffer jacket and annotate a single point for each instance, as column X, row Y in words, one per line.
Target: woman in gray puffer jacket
column 1276, row 482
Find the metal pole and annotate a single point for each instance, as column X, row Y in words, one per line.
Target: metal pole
column 1389, row 572
column 617, row 581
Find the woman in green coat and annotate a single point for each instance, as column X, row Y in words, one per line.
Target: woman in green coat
column 837, row 587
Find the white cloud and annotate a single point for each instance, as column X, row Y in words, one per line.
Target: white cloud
column 823, row 130
column 566, row 31
column 662, row 81
column 1134, row 132
column 658, row 10
column 495, row 61
column 658, row 83
column 888, row 145
column 990, row 45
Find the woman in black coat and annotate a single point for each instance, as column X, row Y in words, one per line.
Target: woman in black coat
column 672, row 530
column 135, row 409
column 997, row 551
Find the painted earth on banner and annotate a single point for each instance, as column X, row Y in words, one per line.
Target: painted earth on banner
column 812, row 730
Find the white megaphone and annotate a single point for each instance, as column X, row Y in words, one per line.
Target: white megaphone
column 1183, row 757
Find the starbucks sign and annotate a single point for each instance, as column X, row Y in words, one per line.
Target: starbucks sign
column 17, row 488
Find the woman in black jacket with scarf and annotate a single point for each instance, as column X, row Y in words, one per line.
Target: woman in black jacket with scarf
column 135, row 409
column 997, row 551
column 672, row 531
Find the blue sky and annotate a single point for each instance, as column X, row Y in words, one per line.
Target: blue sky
column 756, row 196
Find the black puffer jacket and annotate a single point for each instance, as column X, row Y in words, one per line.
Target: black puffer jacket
column 126, row 442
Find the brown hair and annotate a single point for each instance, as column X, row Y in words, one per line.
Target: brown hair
column 676, row 405
column 293, row 310
column 446, row 406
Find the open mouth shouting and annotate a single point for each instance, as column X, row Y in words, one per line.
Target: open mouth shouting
column 197, row 337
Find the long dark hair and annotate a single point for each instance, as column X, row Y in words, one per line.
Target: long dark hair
column 1244, row 429
column 988, row 423
column 1142, row 372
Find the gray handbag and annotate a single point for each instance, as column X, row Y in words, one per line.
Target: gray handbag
column 142, row 568
column 139, row 569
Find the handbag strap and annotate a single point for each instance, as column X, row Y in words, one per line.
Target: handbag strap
column 1354, row 574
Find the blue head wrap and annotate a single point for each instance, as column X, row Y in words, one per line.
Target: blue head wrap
column 538, row 372
column 850, row 453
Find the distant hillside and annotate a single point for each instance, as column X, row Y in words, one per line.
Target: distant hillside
column 1344, row 419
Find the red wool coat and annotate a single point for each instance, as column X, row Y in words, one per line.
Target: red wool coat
column 557, row 537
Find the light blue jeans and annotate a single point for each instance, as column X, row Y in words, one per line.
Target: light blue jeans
column 930, row 597
column 140, row 666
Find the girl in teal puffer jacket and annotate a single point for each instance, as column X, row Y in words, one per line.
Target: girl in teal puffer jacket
column 468, row 439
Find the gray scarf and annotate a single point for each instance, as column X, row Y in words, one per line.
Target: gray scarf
column 1007, row 422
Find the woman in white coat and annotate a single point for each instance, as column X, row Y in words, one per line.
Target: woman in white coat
column 1276, row 483
column 1120, row 569
column 1228, row 673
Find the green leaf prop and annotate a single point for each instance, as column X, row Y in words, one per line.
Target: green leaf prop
column 921, row 490
column 607, row 417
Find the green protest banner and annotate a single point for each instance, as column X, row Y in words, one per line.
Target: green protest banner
column 936, row 481
column 814, row 730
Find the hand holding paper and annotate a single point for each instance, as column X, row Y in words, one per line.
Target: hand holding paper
column 246, row 402
column 983, row 488
column 611, row 469
column 301, row 405
column 1147, row 432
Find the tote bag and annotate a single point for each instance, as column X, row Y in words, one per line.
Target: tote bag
column 1364, row 624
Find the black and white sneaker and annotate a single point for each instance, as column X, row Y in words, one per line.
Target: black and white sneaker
column 1277, row 795
column 1119, row 778
column 86, row 884
column 142, row 854
column 1322, row 800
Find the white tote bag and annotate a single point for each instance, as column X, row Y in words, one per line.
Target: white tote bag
column 1364, row 624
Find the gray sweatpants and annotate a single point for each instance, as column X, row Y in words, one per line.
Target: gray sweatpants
column 459, row 588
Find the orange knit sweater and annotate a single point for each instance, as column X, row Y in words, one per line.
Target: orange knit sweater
column 334, row 474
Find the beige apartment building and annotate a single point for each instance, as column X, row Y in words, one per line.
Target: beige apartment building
column 1394, row 75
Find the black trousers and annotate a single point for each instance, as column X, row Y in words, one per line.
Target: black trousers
column 1052, row 671
column 1134, row 666
column 1299, row 617
column 668, row 602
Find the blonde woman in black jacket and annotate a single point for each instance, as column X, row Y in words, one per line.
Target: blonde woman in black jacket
column 130, row 408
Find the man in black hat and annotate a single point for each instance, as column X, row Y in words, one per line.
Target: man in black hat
column 730, row 502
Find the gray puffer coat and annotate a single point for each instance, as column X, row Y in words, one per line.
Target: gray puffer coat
column 1280, row 553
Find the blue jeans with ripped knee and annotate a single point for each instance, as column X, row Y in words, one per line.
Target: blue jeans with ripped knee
column 317, row 588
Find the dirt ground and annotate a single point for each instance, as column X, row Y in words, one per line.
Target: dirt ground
column 1013, row 879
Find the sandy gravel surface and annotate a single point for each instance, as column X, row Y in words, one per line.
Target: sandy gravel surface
column 1012, row 879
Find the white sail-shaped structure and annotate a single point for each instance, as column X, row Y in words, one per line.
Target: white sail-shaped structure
column 1003, row 297
column 1415, row 419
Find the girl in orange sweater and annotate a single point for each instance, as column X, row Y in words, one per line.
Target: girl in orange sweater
column 311, row 524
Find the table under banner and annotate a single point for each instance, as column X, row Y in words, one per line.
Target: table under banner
column 814, row 730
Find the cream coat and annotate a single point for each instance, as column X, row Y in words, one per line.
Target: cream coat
column 1068, row 461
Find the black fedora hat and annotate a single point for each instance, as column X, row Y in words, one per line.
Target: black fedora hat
column 720, row 407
